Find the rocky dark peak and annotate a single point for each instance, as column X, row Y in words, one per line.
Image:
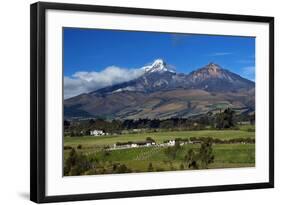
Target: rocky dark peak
column 213, row 77
column 211, row 69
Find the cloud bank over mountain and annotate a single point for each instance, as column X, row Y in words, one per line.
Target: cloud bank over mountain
column 84, row 82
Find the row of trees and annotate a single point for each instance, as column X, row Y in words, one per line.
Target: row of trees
column 194, row 159
column 247, row 140
column 222, row 120
column 225, row 119
column 79, row 164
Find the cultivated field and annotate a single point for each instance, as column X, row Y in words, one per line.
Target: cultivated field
column 143, row 159
column 159, row 137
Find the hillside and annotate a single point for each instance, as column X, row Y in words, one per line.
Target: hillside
column 162, row 93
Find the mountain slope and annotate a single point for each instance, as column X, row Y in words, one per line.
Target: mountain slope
column 156, row 76
column 213, row 78
column 159, row 76
column 162, row 93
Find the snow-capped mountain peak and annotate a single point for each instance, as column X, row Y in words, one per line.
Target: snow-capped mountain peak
column 214, row 67
column 159, row 65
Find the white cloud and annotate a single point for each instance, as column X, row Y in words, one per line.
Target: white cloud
column 83, row 82
column 249, row 72
column 220, row 54
column 246, row 61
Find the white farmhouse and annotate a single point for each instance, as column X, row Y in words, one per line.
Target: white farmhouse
column 134, row 145
column 148, row 144
column 97, row 133
column 171, row 143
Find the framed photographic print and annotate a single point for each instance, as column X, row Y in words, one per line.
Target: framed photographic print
column 129, row 102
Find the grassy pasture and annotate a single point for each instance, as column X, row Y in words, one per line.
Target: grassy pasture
column 138, row 159
column 159, row 137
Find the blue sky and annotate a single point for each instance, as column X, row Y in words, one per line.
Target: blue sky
column 93, row 51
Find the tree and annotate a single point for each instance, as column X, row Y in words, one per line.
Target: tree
column 252, row 119
column 203, row 158
column 206, row 154
column 225, row 119
column 122, row 168
column 149, row 139
column 181, row 167
column 66, row 124
column 70, row 161
column 172, row 151
column 177, row 145
column 229, row 115
column 76, row 164
column 150, row 167
column 191, row 159
column 155, row 123
column 166, row 124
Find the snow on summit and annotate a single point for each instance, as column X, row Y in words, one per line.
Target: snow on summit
column 159, row 65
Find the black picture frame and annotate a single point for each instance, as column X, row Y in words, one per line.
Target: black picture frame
column 38, row 103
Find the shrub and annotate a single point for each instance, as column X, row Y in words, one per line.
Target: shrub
column 181, row 167
column 206, row 154
column 120, row 168
column 76, row 164
column 149, row 139
column 67, row 147
column 191, row 159
column 251, row 129
column 150, row 167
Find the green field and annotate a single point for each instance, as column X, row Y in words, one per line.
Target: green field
column 159, row 137
column 138, row 159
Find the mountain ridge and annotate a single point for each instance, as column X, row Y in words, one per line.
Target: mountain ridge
column 162, row 93
column 198, row 79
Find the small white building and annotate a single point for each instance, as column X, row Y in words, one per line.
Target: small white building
column 148, row 144
column 134, row 145
column 97, row 133
column 171, row 143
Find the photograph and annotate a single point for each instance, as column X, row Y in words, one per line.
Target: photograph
column 142, row 101
column 148, row 101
